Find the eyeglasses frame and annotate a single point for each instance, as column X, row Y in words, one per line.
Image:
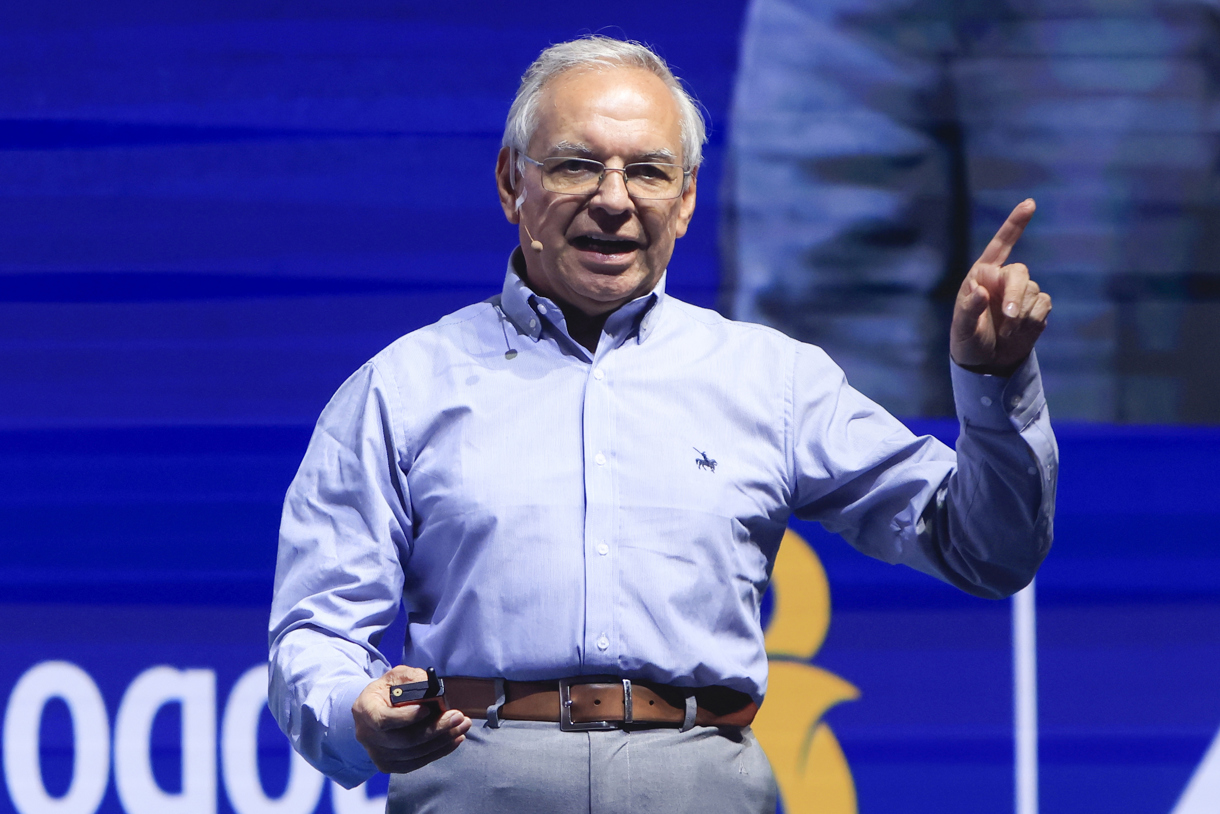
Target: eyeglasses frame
column 601, row 178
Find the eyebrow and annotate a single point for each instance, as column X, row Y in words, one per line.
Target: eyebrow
column 573, row 148
column 581, row 150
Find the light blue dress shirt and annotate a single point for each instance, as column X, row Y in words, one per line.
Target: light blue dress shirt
column 543, row 511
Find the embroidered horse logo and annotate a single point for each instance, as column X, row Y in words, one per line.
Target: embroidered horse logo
column 704, row 462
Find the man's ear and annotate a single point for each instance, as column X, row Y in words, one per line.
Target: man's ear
column 686, row 207
column 506, row 174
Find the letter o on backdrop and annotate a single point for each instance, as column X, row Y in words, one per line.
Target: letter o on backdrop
column 90, row 740
column 239, row 755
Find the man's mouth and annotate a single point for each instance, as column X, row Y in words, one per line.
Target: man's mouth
column 604, row 245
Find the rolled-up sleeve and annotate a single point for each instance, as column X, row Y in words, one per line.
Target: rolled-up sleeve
column 344, row 533
column 980, row 518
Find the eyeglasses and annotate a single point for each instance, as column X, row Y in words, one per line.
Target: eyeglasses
column 645, row 180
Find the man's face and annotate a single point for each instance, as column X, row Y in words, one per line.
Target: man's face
column 607, row 248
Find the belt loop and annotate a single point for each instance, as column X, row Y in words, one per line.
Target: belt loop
column 493, row 712
column 692, row 707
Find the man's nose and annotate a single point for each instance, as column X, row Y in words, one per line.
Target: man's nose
column 612, row 193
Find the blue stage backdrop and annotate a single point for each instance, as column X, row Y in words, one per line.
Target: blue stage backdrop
column 211, row 213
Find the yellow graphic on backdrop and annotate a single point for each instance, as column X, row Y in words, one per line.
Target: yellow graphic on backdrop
column 809, row 766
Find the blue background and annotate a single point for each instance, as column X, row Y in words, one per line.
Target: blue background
column 211, row 213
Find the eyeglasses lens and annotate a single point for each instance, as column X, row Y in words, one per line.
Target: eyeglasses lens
column 582, row 176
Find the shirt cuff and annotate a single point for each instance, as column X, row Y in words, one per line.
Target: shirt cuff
column 341, row 736
column 996, row 402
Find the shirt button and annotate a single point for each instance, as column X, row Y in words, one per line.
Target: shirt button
column 985, row 399
column 533, row 323
column 1016, row 402
column 599, row 374
column 603, row 642
column 541, row 309
column 1033, row 470
column 603, row 549
column 601, row 459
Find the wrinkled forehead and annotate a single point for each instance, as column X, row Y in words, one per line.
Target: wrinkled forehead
column 613, row 111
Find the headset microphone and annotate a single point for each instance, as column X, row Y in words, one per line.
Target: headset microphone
column 536, row 245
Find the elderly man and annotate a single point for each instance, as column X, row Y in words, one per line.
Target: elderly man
column 578, row 487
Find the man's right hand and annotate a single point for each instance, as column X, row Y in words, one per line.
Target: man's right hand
column 401, row 739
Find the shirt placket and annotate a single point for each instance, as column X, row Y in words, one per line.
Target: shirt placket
column 601, row 640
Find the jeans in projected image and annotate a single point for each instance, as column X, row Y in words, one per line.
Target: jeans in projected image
column 877, row 146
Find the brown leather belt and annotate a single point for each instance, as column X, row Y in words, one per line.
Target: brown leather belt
column 599, row 702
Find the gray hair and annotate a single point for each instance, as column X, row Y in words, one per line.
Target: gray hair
column 596, row 51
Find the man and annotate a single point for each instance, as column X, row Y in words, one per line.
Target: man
column 584, row 477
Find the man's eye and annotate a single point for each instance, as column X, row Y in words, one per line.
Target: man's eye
column 573, row 166
column 649, row 172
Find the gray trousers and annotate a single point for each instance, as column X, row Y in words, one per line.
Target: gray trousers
column 532, row 767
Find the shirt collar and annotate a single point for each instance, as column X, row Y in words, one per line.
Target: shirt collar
column 515, row 301
column 527, row 310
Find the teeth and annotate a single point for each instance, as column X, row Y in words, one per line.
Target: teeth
column 608, row 245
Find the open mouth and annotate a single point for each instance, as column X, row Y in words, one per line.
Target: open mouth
column 603, row 245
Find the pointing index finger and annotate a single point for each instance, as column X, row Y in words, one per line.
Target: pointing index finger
column 998, row 249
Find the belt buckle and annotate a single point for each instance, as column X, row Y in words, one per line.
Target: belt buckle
column 566, row 724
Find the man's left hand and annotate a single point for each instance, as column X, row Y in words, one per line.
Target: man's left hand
column 1000, row 312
